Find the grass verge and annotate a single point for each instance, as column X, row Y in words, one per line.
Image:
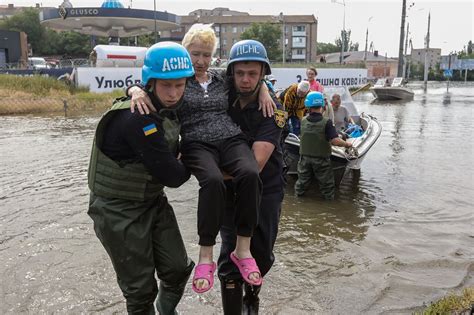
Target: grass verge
column 452, row 304
column 37, row 94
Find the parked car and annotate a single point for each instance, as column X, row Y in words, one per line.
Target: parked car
column 37, row 63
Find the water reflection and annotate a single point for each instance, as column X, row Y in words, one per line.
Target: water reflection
column 447, row 98
column 319, row 224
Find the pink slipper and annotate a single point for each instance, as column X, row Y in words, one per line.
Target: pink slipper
column 246, row 267
column 206, row 272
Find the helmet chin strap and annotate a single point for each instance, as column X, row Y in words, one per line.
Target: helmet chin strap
column 254, row 91
column 251, row 93
column 156, row 99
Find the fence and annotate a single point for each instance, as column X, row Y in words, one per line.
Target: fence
column 58, row 64
column 52, row 105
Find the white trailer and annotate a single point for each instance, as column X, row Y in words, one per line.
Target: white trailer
column 118, row 56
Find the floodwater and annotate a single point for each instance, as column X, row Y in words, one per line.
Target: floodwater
column 399, row 234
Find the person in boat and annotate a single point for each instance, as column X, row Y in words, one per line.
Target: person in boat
column 314, row 85
column 341, row 115
column 317, row 136
column 211, row 141
column 328, row 111
column 264, row 134
column 133, row 157
column 272, row 80
column 293, row 101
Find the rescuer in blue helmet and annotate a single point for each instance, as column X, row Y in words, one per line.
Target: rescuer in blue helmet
column 246, row 51
column 317, row 136
column 248, row 65
column 133, row 158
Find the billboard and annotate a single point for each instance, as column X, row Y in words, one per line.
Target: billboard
column 108, row 79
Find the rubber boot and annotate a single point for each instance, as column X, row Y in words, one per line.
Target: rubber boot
column 251, row 299
column 169, row 297
column 231, row 292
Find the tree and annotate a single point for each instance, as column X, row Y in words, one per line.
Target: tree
column 73, row 44
column 27, row 21
column 268, row 34
column 348, row 45
column 50, row 43
column 327, row 48
column 469, row 47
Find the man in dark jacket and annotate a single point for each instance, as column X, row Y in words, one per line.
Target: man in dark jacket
column 133, row 158
column 248, row 65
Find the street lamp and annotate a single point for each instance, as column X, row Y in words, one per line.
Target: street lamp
column 343, row 33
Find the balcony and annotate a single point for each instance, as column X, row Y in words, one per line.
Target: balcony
column 298, row 54
column 298, row 33
column 299, row 44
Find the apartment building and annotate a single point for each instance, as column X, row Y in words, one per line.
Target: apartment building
column 433, row 55
column 300, row 31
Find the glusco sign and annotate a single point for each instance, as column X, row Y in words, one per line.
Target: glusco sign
column 84, row 11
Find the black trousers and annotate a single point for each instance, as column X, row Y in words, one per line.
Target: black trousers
column 205, row 160
column 263, row 238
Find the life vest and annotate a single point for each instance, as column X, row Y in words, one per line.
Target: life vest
column 313, row 139
column 128, row 180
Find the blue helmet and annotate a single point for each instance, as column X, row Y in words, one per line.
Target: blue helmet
column 314, row 99
column 166, row 61
column 248, row 50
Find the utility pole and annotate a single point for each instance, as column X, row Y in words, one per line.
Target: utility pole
column 425, row 75
column 409, row 60
column 405, row 53
column 449, row 68
column 154, row 17
column 402, row 37
column 283, row 39
column 366, row 40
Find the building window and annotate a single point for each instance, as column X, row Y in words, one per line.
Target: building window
column 299, row 52
column 299, row 40
column 224, row 53
column 234, row 29
column 216, row 29
column 299, row 28
column 224, row 42
column 223, row 29
column 234, row 41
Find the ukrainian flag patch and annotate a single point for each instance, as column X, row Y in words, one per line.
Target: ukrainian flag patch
column 150, row 129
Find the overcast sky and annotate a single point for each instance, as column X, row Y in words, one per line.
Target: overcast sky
column 451, row 20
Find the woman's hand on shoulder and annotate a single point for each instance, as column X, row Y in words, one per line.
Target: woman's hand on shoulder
column 140, row 100
column 265, row 102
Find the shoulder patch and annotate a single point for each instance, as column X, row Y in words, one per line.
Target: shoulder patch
column 150, row 129
column 280, row 117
